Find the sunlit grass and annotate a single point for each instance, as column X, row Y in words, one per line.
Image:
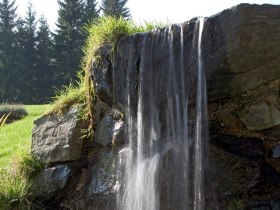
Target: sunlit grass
column 15, row 138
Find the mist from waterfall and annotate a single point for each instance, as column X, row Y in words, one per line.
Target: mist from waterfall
column 163, row 165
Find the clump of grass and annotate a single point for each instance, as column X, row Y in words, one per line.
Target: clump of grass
column 15, row 187
column 15, row 112
column 108, row 30
column 68, row 96
column 14, row 191
column 29, row 165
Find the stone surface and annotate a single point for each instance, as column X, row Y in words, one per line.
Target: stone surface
column 275, row 151
column 100, row 109
column 50, row 181
column 95, row 189
column 260, row 116
column 103, row 173
column 241, row 51
column 57, row 138
column 240, row 44
column 100, row 191
column 233, row 175
column 245, row 146
column 102, row 73
column 111, row 129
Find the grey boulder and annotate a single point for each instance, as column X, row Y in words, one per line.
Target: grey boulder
column 57, row 138
column 111, row 129
column 50, row 181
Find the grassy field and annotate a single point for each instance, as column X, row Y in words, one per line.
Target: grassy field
column 15, row 138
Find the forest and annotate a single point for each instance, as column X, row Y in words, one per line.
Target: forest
column 35, row 61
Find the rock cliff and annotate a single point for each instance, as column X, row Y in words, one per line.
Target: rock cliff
column 241, row 48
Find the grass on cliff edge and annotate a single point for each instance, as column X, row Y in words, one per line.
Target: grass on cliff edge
column 15, row 138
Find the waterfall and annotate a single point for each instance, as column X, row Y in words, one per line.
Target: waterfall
column 163, row 165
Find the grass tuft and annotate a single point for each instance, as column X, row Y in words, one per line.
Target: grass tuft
column 67, row 97
column 14, row 191
column 29, row 165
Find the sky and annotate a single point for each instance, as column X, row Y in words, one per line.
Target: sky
column 175, row 11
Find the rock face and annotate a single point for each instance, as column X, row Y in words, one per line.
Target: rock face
column 242, row 61
column 57, row 139
column 50, row 181
column 57, row 143
column 111, row 129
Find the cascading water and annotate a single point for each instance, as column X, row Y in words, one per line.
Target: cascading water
column 163, row 165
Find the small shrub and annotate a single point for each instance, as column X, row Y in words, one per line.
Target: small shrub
column 15, row 112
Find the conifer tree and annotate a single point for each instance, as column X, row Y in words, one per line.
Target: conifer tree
column 91, row 11
column 7, row 38
column 116, row 8
column 28, row 67
column 44, row 73
column 69, row 39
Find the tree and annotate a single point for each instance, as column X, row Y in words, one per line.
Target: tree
column 115, row 8
column 69, row 39
column 28, row 67
column 91, row 11
column 7, row 43
column 44, row 73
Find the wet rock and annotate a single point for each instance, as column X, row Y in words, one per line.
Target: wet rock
column 246, row 146
column 264, row 205
column 100, row 189
column 102, row 74
column 260, row 116
column 102, row 173
column 100, row 109
column 50, row 181
column 57, row 138
column 233, row 175
column 111, row 129
column 275, row 151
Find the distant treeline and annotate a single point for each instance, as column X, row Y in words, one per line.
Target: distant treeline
column 33, row 60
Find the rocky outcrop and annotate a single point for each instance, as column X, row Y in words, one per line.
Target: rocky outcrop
column 242, row 62
column 57, row 143
column 73, row 166
column 57, row 138
column 241, row 54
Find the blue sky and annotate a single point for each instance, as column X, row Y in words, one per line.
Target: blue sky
column 176, row 11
